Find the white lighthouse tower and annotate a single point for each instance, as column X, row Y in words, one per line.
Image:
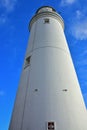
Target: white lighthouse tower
column 49, row 95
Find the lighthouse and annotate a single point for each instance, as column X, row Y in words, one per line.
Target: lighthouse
column 49, row 95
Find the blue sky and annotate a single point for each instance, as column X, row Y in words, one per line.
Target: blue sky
column 14, row 18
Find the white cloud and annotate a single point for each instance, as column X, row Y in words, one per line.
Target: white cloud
column 3, row 19
column 6, row 7
column 78, row 26
column 8, row 4
column 79, row 14
column 2, row 93
column 79, row 29
column 67, row 2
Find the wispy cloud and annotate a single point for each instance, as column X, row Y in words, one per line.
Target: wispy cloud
column 78, row 27
column 67, row 2
column 6, row 7
column 2, row 93
column 79, row 14
column 3, row 19
column 9, row 5
column 79, row 30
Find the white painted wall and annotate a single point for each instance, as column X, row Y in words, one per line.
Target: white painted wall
column 50, row 72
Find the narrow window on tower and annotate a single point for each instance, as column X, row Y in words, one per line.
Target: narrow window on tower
column 46, row 20
column 27, row 61
column 65, row 90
